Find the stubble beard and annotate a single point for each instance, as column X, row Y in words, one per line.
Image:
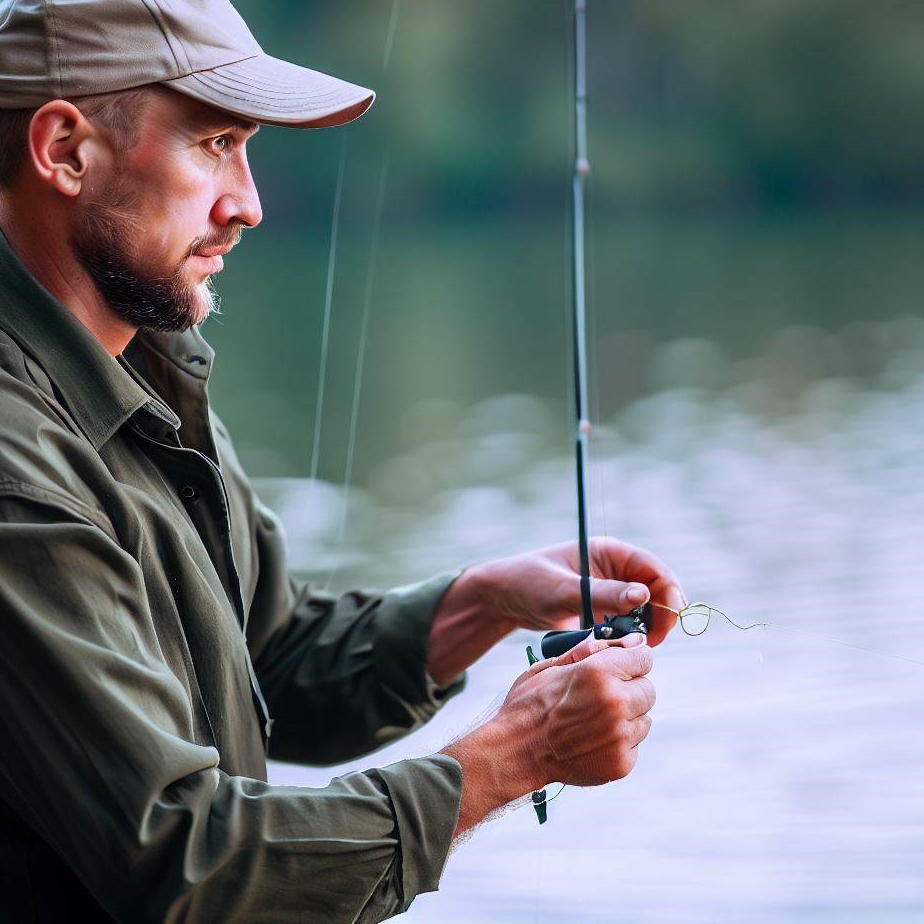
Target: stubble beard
column 103, row 245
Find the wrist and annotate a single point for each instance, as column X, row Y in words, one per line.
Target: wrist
column 496, row 770
column 463, row 628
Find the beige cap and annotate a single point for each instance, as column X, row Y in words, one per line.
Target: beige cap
column 53, row 49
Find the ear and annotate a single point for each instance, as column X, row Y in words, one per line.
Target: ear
column 60, row 145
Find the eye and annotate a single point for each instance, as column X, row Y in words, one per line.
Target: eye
column 220, row 144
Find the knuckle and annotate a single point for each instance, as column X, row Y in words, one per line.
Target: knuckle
column 649, row 692
column 597, row 677
column 619, row 706
column 623, row 731
column 625, row 762
column 644, row 659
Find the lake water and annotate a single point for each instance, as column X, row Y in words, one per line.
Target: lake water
column 782, row 779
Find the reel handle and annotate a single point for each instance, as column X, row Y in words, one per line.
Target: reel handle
column 558, row 642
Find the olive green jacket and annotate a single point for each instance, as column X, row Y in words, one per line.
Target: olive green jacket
column 153, row 651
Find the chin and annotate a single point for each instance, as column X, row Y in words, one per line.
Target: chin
column 207, row 302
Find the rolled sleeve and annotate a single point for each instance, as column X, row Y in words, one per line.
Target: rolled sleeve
column 425, row 795
column 402, row 628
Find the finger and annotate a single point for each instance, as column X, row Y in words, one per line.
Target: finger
column 662, row 621
column 613, row 557
column 610, row 596
column 667, row 599
column 627, row 663
column 668, row 591
column 638, row 697
column 584, row 649
column 639, row 567
column 588, row 647
column 628, row 641
column 640, row 728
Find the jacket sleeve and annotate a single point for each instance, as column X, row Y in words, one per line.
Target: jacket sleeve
column 341, row 676
column 99, row 760
column 345, row 675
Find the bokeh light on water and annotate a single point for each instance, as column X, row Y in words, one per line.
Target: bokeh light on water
column 781, row 780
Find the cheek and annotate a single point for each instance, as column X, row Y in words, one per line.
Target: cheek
column 174, row 211
column 172, row 226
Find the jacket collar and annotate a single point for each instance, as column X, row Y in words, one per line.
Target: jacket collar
column 100, row 391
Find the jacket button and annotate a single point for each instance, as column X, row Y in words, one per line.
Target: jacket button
column 189, row 493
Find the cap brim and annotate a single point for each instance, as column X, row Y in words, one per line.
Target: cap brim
column 274, row 92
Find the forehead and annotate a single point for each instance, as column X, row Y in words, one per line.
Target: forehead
column 169, row 109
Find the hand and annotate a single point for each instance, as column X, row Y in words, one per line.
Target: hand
column 588, row 710
column 541, row 590
column 577, row 719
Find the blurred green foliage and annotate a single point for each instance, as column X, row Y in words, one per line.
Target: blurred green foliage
column 755, row 164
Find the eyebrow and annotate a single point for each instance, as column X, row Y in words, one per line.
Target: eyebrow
column 219, row 121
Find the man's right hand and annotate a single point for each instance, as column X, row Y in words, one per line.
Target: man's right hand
column 576, row 719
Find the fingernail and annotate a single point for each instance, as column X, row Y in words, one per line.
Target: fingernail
column 637, row 593
column 633, row 639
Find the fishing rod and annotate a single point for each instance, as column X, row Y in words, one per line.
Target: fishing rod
column 612, row 627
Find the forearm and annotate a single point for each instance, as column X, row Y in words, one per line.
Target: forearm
column 464, row 627
column 496, row 769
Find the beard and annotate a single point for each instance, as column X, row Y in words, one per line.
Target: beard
column 144, row 299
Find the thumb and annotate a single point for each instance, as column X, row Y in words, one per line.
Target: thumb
column 629, row 641
column 582, row 650
column 617, row 597
column 589, row 646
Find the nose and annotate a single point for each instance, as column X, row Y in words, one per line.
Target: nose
column 240, row 201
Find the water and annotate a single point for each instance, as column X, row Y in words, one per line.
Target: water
column 781, row 779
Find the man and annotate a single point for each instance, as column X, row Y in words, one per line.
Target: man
column 149, row 628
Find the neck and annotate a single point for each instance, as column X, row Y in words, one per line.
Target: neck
column 36, row 238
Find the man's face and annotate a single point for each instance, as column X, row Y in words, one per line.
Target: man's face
column 152, row 230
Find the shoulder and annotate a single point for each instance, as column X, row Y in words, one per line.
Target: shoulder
column 43, row 455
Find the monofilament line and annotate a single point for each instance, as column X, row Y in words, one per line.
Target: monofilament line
column 392, row 30
column 360, row 361
column 839, row 641
column 325, row 328
column 770, row 625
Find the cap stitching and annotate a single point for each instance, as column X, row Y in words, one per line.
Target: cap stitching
column 298, row 102
column 274, row 90
column 267, row 82
column 211, row 67
column 163, row 32
column 50, row 12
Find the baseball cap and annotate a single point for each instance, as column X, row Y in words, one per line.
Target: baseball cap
column 53, row 49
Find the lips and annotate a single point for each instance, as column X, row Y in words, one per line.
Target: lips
column 213, row 251
column 209, row 259
column 208, row 266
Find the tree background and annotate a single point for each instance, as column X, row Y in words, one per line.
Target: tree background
column 755, row 166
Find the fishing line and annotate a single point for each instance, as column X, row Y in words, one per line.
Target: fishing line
column 367, row 304
column 539, row 800
column 703, row 611
column 390, row 38
column 835, row 641
column 325, row 329
column 360, row 362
